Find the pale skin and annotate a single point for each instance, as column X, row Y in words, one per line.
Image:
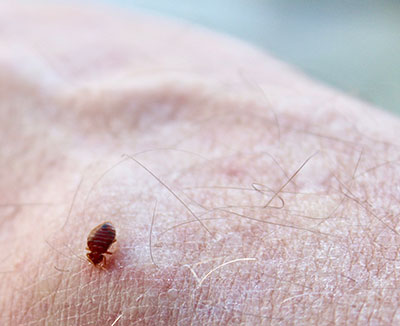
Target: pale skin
column 276, row 201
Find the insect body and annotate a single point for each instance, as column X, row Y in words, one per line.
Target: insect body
column 99, row 241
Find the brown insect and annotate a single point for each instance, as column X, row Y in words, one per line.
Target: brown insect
column 99, row 241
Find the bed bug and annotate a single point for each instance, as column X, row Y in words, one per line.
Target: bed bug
column 99, row 241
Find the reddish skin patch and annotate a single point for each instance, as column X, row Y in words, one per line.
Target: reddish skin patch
column 99, row 241
column 234, row 172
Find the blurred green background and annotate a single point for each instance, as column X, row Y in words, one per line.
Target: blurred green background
column 353, row 45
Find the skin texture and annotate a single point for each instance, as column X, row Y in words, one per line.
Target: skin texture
column 225, row 127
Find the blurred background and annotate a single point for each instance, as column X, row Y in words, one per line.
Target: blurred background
column 353, row 45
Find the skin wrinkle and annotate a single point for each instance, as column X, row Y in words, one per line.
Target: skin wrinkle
column 289, row 262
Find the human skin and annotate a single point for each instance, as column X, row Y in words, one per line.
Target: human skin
column 225, row 129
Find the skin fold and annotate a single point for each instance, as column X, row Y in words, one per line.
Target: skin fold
column 242, row 192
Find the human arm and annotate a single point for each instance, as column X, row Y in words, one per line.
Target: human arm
column 217, row 122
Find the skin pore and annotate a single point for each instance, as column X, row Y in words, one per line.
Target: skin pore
column 242, row 193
